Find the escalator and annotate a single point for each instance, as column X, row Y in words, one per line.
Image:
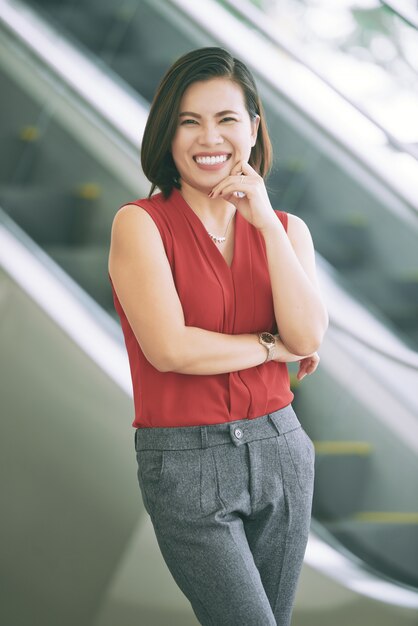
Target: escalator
column 67, row 166
column 352, row 224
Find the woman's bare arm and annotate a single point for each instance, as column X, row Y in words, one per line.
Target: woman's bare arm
column 301, row 315
column 143, row 281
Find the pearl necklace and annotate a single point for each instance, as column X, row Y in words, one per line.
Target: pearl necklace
column 221, row 239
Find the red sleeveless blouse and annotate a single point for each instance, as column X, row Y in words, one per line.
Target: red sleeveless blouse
column 216, row 297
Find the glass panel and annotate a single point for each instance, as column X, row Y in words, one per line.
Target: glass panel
column 364, row 48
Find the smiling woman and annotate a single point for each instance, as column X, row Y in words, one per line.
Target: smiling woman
column 207, row 141
column 172, row 106
column 216, row 293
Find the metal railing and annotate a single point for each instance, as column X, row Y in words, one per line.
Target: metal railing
column 405, row 12
column 253, row 17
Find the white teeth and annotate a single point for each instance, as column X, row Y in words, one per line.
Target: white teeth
column 211, row 160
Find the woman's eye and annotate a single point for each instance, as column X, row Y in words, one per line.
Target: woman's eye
column 190, row 122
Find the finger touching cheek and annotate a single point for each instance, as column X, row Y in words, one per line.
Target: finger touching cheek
column 236, row 168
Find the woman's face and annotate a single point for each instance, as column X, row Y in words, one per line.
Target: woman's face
column 214, row 131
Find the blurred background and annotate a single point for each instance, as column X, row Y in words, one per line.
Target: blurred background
column 339, row 80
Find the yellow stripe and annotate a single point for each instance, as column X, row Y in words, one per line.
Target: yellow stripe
column 343, row 447
column 29, row 133
column 89, row 191
column 357, row 219
column 387, row 517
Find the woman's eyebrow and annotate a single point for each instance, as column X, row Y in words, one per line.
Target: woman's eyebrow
column 190, row 113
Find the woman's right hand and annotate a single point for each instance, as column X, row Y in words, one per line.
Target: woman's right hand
column 307, row 363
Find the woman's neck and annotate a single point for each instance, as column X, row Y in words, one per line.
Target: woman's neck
column 215, row 212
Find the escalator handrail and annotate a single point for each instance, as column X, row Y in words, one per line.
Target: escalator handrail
column 409, row 363
column 406, row 14
column 64, row 301
column 77, row 71
column 253, row 16
column 324, row 553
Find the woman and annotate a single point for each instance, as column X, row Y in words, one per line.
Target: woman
column 216, row 293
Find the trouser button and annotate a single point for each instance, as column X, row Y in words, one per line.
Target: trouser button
column 238, row 433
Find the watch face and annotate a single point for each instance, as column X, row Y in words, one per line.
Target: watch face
column 268, row 338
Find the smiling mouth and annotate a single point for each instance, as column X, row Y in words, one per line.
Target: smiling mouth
column 211, row 160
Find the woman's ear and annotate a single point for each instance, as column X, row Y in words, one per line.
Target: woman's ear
column 255, row 122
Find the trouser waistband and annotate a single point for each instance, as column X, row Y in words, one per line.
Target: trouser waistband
column 238, row 432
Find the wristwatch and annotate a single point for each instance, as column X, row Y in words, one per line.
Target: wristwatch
column 268, row 341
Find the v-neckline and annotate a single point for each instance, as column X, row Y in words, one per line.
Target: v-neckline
column 209, row 242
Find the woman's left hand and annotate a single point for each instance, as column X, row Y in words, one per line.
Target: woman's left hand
column 308, row 365
column 255, row 205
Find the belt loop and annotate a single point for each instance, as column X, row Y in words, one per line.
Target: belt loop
column 135, row 435
column 204, row 436
column 275, row 421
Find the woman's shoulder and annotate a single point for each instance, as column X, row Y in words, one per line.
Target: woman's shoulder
column 135, row 233
column 298, row 231
column 141, row 221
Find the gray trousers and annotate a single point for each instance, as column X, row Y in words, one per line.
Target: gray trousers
column 231, row 506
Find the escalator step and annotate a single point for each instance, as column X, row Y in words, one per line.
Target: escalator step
column 407, row 286
column 287, row 185
column 386, row 540
column 18, row 154
column 88, row 266
column 345, row 244
column 143, row 77
column 45, row 213
column 78, row 23
column 341, row 470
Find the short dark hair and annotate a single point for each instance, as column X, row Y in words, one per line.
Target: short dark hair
column 201, row 64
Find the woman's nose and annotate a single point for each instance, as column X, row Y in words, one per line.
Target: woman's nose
column 209, row 134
